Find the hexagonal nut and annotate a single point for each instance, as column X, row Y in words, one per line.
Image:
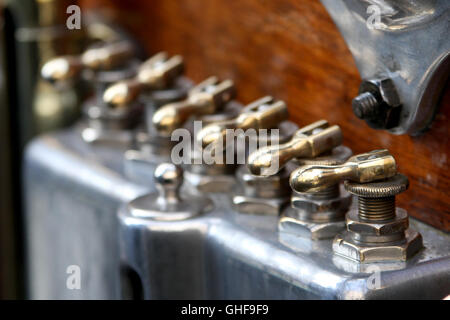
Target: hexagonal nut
column 275, row 186
column 259, row 206
column 384, row 87
column 382, row 228
column 210, row 184
column 308, row 229
column 322, row 209
column 345, row 246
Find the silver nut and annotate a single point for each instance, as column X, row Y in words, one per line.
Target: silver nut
column 260, row 206
column 210, row 184
column 322, row 209
column 382, row 228
column 345, row 246
column 264, row 187
column 308, row 229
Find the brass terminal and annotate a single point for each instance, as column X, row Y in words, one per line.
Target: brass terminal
column 265, row 113
column 362, row 168
column 158, row 72
column 309, row 141
column 106, row 57
column 206, row 98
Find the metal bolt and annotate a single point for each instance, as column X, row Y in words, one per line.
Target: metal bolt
column 378, row 103
column 365, row 105
column 376, row 200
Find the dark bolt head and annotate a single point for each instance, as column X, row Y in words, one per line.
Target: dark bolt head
column 377, row 103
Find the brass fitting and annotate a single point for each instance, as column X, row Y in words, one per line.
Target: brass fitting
column 264, row 113
column 265, row 190
column 318, row 214
column 206, row 98
column 307, row 142
column 105, row 57
column 371, row 166
column 377, row 230
column 157, row 73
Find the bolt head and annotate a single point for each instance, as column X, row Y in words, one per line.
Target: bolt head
column 378, row 103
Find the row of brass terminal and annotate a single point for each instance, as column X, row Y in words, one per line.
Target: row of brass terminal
column 305, row 176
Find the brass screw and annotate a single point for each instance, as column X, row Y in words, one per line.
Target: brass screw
column 376, row 200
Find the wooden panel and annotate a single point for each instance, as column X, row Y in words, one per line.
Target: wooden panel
column 293, row 51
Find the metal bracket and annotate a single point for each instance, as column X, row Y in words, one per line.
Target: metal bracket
column 405, row 41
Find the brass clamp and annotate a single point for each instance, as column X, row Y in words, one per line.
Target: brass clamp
column 264, row 183
column 377, row 230
column 318, row 214
column 206, row 98
column 157, row 73
column 100, row 66
column 307, row 142
column 106, row 57
column 264, row 113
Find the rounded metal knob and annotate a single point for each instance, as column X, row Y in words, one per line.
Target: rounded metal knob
column 168, row 179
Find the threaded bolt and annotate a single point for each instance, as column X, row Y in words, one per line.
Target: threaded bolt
column 365, row 105
column 376, row 209
column 376, row 200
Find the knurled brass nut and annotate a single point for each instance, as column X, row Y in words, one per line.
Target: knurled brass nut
column 357, row 225
column 379, row 189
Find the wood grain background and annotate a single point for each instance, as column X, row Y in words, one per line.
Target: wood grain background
column 290, row 49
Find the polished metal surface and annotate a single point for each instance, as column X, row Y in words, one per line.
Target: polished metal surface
column 226, row 255
column 74, row 190
column 405, row 41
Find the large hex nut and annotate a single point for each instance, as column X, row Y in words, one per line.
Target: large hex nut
column 261, row 206
column 345, row 246
column 308, row 229
column 383, row 228
column 275, row 186
column 210, row 183
column 322, row 210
